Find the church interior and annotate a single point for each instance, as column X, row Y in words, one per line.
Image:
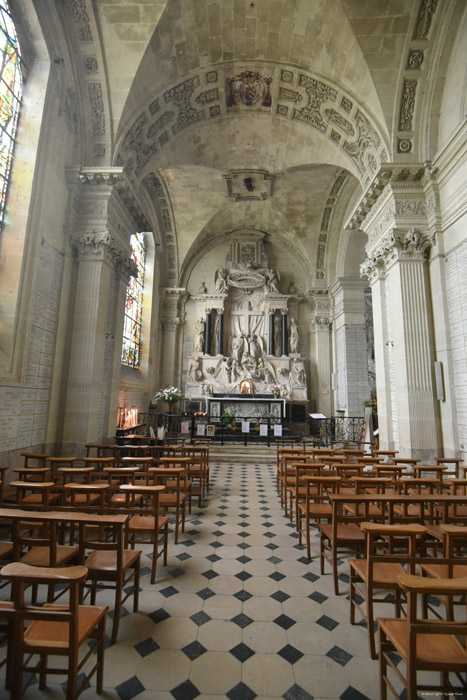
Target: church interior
column 235, row 211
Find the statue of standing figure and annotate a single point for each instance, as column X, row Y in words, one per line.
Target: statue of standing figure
column 199, row 335
column 293, row 337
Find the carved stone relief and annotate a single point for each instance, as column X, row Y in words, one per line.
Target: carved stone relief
column 407, row 105
column 425, row 18
column 81, row 14
column 248, row 88
column 97, row 109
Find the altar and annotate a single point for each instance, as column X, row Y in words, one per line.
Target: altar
column 245, row 407
column 246, row 333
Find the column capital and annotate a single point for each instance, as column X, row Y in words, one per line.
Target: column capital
column 321, row 324
column 398, row 246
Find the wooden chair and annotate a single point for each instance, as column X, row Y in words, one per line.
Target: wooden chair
column 174, row 497
column 342, row 535
column 54, row 631
column 197, row 470
column 380, row 571
column 455, row 563
column 206, row 444
column 38, row 494
column 36, row 544
column 110, row 566
column 316, row 506
column 424, row 645
column 145, row 523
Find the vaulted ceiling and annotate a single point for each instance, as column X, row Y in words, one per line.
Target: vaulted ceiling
column 303, row 99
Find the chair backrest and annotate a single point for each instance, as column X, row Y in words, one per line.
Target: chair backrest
column 149, row 505
column 42, row 533
column 21, row 575
column 383, row 540
column 415, row 586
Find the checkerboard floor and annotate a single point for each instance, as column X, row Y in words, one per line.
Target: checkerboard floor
column 239, row 612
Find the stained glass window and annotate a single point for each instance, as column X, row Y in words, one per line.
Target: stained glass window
column 11, row 83
column 134, row 306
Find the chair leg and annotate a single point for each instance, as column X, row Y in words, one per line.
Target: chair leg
column 383, row 667
column 136, row 585
column 100, row 657
column 334, row 568
column 370, row 623
column 72, row 675
column 117, row 606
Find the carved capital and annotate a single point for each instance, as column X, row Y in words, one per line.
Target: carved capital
column 321, row 324
column 399, row 246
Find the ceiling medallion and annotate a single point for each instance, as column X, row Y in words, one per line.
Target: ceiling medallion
column 249, row 184
column 248, row 88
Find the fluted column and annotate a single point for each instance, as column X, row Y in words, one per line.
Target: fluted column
column 84, row 411
column 208, row 332
column 220, row 332
column 285, row 335
column 172, row 319
column 408, row 354
column 271, row 333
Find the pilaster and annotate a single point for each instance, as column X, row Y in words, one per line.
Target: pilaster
column 350, row 340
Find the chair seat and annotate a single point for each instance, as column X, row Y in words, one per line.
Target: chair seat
column 40, row 556
column 145, row 522
column 385, row 574
column 442, row 570
column 344, row 533
column 37, row 498
column 373, row 511
column 170, row 499
column 101, row 561
column 55, row 634
column 6, row 549
column 83, row 499
column 316, row 509
column 434, row 651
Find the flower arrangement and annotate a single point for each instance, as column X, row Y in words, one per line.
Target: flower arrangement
column 276, row 390
column 227, row 417
column 372, row 403
column 171, row 394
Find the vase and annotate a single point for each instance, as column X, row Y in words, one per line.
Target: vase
column 171, row 406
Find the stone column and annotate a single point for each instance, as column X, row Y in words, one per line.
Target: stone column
column 409, row 358
column 285, row 335
column 350, row 341
column 84, row 403
column 322, row 330
column 220, row 332
column 172, row 319
column 208, row 332
column 271, row 333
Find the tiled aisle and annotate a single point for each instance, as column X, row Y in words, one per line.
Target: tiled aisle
column 239, row 612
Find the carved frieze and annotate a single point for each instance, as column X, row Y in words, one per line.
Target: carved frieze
column 367, row 137
column 134, row 143
column 317, row 93
column 82, row 17
column 425, row 18
column 407, row 105
column 97, row 109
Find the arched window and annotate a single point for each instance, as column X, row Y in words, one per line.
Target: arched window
column 131, row 350
column 11, row 85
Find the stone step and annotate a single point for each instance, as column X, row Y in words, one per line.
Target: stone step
column 234, row 453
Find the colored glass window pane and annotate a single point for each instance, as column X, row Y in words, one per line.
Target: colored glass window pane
column 131, row 350
column 11, row 83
